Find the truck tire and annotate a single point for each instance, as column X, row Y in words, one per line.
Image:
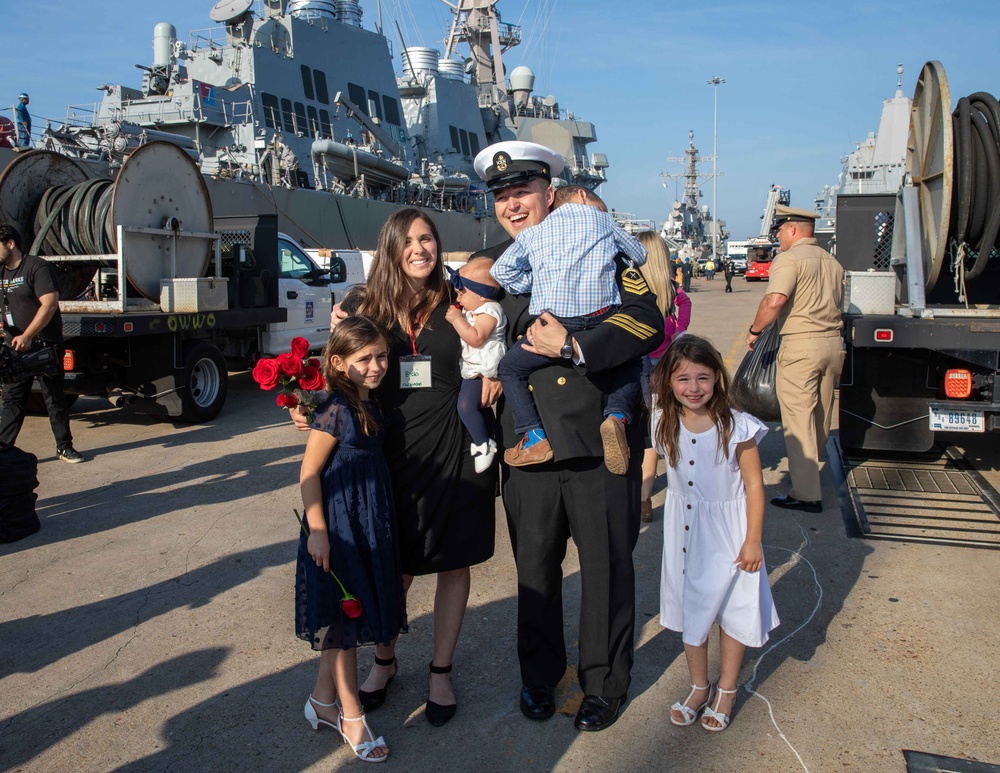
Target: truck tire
column 205, row 384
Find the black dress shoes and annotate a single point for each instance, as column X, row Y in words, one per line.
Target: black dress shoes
column 538, row 702
column 791, row 503
column 597, row 713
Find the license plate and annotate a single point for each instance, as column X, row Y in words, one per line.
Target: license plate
column 957, row 421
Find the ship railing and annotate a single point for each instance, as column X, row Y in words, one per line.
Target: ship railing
column 81, row 115
column 210, row 38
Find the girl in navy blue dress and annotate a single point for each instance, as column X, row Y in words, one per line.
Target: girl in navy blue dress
column 347, row 494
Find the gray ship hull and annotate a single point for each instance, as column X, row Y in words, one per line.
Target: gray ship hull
column 321, row 219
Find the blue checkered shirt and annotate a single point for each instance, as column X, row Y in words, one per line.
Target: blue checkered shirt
column 567, row 262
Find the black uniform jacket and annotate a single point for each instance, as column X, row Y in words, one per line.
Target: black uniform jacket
column 570, row 398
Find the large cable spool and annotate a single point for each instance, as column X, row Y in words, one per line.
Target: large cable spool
column 930, row 164
column 59, row 210
column 953, row 159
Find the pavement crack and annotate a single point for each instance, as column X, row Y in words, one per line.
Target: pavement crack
column 24, row 579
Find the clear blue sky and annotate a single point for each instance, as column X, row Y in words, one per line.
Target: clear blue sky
column 803, row 81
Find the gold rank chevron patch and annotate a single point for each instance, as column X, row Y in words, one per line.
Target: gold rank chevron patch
column 633, row 326
column 633, row 282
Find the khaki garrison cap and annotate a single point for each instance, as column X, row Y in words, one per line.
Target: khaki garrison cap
column 515, row 162
column 783, row 214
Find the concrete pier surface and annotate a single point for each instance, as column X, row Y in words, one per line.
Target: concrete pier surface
column 148, row 625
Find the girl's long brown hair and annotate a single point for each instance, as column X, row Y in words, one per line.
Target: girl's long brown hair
column 386, row 282
column 700, row 352
column 350, row 336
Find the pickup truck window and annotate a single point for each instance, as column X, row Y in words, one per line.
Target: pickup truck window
column 295, row 264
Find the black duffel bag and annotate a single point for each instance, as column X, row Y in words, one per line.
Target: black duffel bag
column 755, row 382
column 18, row 480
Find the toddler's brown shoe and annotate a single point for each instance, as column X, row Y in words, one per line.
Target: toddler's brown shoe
column 616, row 453
column 519, row 456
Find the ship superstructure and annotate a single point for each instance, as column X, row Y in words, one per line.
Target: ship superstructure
column 877, row 164
column 689, row 225
column 286, row 99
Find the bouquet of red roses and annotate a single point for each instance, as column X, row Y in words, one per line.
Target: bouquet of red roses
column 298, row 375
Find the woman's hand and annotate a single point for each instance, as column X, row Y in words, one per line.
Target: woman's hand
column 492, row 389
column 750, row 558
column 318, row 546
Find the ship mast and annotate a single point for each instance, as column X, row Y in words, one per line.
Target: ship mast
column 477, row 24
column 691, row 177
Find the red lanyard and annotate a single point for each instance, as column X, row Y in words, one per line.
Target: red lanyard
column 413, row 337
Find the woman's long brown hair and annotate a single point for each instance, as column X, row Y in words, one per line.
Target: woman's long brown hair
column 700, row 352
column 387, row 283
column 348, row 337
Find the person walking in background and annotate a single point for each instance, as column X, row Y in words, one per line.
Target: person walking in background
column 803, row 299
column 687, row 269
column 675, row 306
column 729, row 271
column 710, row 269
column 23, row 121
column 713, row 565
column 29, row 305
column 347, row 498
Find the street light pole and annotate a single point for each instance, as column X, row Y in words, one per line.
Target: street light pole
column 714, row 83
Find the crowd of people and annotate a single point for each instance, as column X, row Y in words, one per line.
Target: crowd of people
column 423, row 457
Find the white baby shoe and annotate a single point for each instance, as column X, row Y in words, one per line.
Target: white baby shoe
column 483, row 455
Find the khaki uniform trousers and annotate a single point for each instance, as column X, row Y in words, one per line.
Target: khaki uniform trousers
column 809, row 368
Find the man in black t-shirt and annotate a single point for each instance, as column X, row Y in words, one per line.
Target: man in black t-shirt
column 29, row 305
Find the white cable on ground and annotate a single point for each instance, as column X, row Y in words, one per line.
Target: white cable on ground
column 796, row 557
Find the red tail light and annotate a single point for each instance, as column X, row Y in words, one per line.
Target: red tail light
column 69, row 360
column 958, row 383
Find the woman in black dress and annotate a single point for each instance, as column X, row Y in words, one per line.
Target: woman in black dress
column 445, row 510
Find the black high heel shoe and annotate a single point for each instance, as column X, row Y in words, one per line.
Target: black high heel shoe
column 372, row 700
column 437, row 714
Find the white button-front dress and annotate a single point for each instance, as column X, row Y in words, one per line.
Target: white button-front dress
column 704, row 526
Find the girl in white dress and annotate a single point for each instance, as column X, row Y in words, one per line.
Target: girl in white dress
column 713, row 568
column 482, row 326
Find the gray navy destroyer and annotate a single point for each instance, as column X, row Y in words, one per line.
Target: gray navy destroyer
column 293, row 108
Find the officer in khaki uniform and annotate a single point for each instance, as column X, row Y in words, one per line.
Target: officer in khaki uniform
column 803, row 295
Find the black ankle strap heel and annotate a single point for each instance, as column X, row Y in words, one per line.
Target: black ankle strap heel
column 437, row 714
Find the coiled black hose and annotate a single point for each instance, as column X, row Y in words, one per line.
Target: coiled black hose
column 976, row 185
column 74, row 220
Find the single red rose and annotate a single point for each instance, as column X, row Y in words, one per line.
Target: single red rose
column 300, row 347
column 311, row 379
column 267, row 373
column 351, row 607
column 286, row 400
column 313, row 362
column 290, row 364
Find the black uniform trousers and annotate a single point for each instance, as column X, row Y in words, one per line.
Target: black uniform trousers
column 546, row 504
column 15, row 400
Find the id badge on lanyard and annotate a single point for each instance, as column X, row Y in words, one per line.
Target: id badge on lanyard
column 415, row 369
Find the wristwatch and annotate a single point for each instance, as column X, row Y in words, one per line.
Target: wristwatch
column 566, row 352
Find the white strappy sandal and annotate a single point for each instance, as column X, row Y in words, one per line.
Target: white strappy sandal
column 364, row 749
column 691, row 712
column 314, row 719
column 718, row 716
